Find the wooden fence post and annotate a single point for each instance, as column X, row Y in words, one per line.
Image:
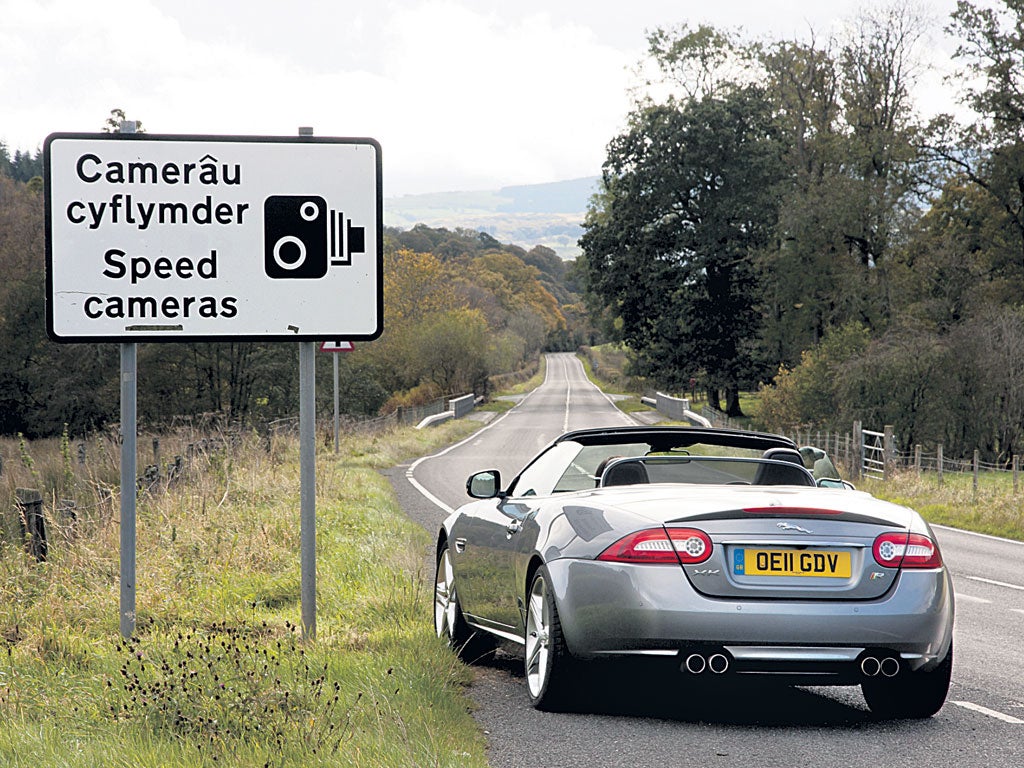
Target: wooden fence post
column 939, row 462
column 975, row 468
column 857, row 460
column 30, row 508
column 888, row 452
column 917, row 458
column 1016, row 472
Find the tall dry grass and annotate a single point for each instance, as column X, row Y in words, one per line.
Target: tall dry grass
column 993, row 508
column 217, row 672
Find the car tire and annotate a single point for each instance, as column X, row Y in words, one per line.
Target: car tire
column 470, row 644
column 549, row 668
column 912, row 695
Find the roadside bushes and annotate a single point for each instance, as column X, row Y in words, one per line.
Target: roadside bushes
column 964, row 389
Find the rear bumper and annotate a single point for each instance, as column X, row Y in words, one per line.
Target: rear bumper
column 618, row 609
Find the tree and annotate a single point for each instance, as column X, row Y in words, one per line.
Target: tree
column 113, row 123
column 517, row 288
column 689, row 196
column 810, row 393
column 451, row 351
column 848, row 124
column 990, row 151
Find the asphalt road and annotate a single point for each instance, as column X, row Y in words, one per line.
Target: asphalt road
column 632, row 720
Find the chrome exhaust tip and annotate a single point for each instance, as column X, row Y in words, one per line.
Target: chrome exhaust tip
column 718, row 663
column 870, row 666
column 695, row 663
column 890, row 667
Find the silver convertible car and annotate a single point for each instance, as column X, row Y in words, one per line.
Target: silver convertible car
column 713, row 551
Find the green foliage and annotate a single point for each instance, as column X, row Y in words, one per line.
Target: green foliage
column 452, row 351
column 994, row 508
column 22, row 166
column 811, row 393
column 113, row 122
column 962, row 389
column 45, row 386
column 690, row 196
column 989, row 151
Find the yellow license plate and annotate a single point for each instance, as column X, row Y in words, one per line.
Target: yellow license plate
column 791, row 562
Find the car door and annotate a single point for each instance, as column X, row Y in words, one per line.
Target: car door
column 493, row 542
column 488, row 545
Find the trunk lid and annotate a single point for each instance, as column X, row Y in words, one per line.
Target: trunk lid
column 778, row 542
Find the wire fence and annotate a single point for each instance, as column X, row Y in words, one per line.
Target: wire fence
column 866, row 453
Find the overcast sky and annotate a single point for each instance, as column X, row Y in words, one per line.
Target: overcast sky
column 461, row 94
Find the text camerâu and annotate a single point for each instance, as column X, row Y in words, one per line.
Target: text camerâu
column 137, row 268
column 90, row 168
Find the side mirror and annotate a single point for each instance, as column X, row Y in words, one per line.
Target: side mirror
column 831, row 482
column 484, row 485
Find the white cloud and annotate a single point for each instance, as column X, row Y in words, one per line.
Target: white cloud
column 532, row 98
column 461, row 94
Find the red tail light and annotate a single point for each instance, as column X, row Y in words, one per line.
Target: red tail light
column 906, row 550
column 792, row 511
column 670, row 546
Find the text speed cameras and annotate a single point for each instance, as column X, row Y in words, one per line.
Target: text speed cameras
column 302, row 237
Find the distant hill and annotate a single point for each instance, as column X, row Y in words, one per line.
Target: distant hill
column 535, row 214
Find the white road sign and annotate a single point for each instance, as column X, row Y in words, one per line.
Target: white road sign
column 177, row 238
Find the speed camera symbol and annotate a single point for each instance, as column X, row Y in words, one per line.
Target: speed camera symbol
column 302, row 237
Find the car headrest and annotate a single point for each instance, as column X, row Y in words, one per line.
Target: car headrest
column 784, row 454
column 625, row 473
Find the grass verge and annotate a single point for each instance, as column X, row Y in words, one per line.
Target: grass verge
column 218, row 672
column 993, row 508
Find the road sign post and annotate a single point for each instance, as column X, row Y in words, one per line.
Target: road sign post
column 129, row 467
column 154, row 238
column 336, row 346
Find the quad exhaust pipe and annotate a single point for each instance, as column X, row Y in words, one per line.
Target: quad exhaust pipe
column 698, row 663
column 887, row 666
column 718, row 663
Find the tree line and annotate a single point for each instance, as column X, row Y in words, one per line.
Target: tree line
column 22, row 165
column 459, row 307
column 781, row 213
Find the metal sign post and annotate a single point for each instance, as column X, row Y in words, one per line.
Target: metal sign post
column 307, row 478
column 336, row 346
column 337, row 438
column 307, row 486
column 129, row 459
column 129, row 405
column 166, row 238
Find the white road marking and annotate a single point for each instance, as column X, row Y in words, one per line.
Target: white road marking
column 989, row 712
column 1017, row 610
column 971, row 598
column 993, row 582
column 622, row 415
column 978, row 535
column 568, row 398
column 476, row 436
column 412, row 467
